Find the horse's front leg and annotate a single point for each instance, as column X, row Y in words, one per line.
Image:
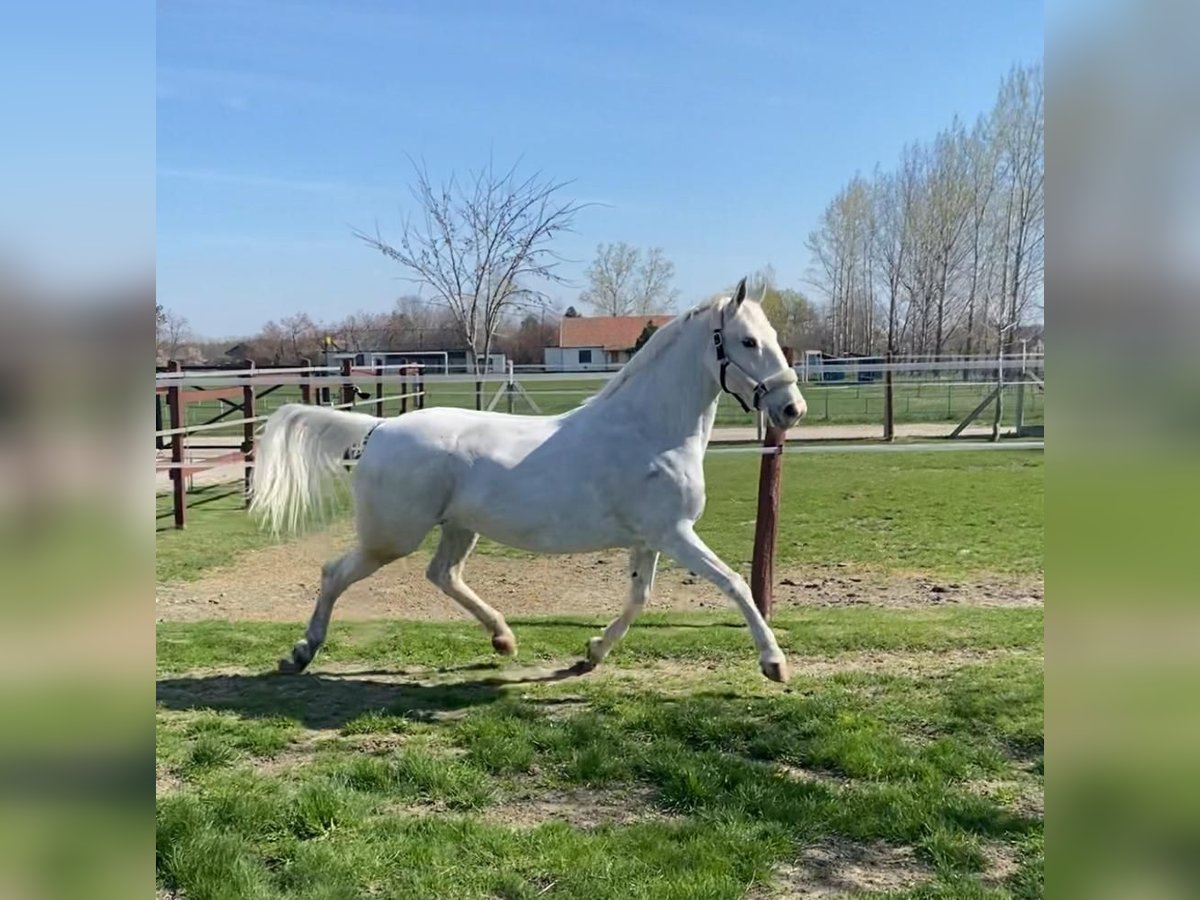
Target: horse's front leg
column 642, row 563
column 689, row 551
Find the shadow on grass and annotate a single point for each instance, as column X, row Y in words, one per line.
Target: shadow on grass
column 599, row 624
column 324, row 701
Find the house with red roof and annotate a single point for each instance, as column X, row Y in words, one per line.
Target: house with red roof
column 598, row 342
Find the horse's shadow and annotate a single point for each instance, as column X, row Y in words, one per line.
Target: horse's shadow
column 330, row 700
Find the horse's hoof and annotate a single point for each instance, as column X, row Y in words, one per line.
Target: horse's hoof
column 289, row 665
column 776, row 671
column 505, row 644
column 594, row 654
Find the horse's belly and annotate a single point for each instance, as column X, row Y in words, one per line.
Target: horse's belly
column 540, row 516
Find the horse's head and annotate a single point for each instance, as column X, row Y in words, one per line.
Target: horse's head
column 749, row 363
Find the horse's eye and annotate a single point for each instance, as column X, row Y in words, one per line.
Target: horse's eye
column 749, row 342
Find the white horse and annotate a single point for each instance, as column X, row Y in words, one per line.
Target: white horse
column 626, row 469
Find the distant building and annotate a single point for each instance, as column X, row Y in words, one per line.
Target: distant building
column 436, row 362
column 597, row 342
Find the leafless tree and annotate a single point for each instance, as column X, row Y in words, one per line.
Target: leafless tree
column 952, row 239
column 624, row 281
column 173, row 332
column 1020, row 135
column 302, row 335
column 482, row 246
column 525, row 344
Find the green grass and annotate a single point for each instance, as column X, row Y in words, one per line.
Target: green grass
column 330, row 786
column 948, row 513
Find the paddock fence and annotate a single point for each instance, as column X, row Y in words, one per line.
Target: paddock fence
column 198, row 428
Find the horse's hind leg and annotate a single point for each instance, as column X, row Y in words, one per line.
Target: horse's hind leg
column 642, row 563
column 336, row 575
column 445, row 570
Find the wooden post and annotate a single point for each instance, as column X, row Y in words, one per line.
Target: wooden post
column 347, row 387
column 305, row 386
column 420, row 398
column 379, row 390
column 175, row 416
column 160, row 443
column 762, row 569
column 248, row 435
column 889, row 409
column 996, row 420
column 508, row 388
column 407, row 373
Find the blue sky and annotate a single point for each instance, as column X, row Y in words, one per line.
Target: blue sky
column 717, row 131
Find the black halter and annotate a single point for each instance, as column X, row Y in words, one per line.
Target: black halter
column 761, row 388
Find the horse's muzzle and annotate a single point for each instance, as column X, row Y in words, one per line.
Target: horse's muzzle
column 787, row 410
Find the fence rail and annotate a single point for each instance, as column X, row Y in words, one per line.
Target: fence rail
column 239, row 391
column 206, row 403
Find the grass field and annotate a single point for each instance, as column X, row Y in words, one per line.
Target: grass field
column 947, row 513
column 905, row 756
column 675, row 772
column 834, row 404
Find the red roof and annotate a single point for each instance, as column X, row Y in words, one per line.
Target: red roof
column 609, row 332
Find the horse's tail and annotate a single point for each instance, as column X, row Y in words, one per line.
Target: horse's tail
column 300, row 450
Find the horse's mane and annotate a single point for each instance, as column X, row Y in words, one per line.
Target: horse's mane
column 662, row 339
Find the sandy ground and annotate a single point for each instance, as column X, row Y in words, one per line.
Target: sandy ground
column 279, row 583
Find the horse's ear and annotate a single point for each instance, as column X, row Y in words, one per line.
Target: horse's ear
column 761, row 294
column 739, row 293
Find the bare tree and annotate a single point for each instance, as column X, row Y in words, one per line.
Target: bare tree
column 1020, row 125
column 841, row 247
column 654, row 291
column 482, row 247
column 526, row 343
column 622, row 281
column 953, row 238
column 273, row 343
column 173, row 332
column 610, row 289
column 302, row 336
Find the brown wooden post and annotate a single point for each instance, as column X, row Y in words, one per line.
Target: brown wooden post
column 762, row 568
column 889, row 410
column 379, row 389
column 175, row 416
column 347, row 387
column 248, row 435
column 420, row 392
column 409, row 375
column 305, row 386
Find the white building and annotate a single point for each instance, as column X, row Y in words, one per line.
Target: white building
column 597, row 342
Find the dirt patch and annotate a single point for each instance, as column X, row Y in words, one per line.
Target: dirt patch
column 1000, row 863
column 834, row 867
column 165, row 782
column 668, row 675
column 813, row 776
column 1023, row 798
column 579, row 807
column 279, row 583
column 908, row 662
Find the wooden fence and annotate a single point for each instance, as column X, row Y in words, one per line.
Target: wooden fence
column 239, row 391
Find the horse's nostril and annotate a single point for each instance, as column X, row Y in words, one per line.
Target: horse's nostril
column 790, row 411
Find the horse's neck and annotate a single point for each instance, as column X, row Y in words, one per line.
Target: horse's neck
column 676, row 396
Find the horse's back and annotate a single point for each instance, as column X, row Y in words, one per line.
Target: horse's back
column 514, row 479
